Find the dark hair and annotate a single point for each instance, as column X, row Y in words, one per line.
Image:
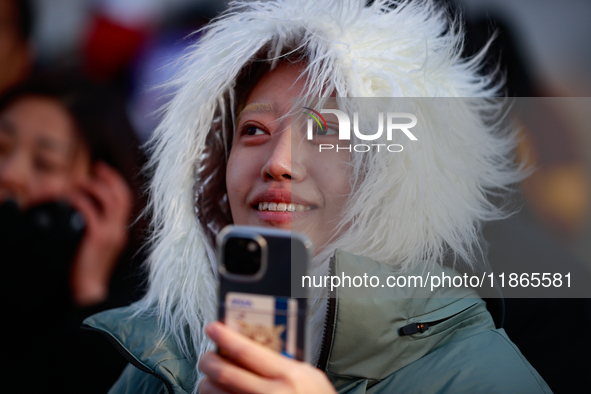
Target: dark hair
column 24, row 18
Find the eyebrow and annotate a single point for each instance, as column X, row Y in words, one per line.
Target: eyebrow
column 257, row 108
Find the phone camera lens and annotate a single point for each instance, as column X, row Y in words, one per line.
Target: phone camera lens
column 252, row 247
column 242, row 256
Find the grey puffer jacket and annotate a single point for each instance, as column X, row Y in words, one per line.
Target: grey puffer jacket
column 400, row 340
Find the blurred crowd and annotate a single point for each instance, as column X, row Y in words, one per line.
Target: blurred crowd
column 72, row 189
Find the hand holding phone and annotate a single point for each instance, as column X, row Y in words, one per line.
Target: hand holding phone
column 260, row 284
column 249, row 368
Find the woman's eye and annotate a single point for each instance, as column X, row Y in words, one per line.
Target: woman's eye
column 48, row 166
column 253, row 130
column 324, row 131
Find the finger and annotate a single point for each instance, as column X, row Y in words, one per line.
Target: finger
column 113, row 197
column 100, row 193
column 248, row 353
column 115, row 182
column 206, row 386
column 231, row 377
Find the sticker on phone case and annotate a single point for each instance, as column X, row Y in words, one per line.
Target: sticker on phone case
column 269, row 320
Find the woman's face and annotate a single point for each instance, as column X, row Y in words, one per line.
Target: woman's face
column 275, row 177
column 40, row 157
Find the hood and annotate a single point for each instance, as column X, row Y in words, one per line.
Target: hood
column 420, row 206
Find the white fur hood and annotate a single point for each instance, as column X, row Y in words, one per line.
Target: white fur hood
column 428, row 202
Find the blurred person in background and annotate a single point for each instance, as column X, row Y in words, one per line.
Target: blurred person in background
column 15, row 52
column 68, row 192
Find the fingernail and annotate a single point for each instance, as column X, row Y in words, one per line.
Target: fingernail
column 213, row 329
column 210, row 329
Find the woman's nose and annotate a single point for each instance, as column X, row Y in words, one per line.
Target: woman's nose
column 283, row 163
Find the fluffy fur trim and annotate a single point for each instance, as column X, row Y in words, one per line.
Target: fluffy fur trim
column 405, row 208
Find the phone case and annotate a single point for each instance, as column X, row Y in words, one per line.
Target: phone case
column 269, row 307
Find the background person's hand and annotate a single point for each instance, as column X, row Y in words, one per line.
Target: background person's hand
column 249, row 367
column 105, row 201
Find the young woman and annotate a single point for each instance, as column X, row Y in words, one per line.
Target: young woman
column 229, row 152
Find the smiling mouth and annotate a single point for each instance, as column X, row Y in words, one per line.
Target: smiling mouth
column 282, row 207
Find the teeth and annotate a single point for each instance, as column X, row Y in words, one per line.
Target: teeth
column 282, row 207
